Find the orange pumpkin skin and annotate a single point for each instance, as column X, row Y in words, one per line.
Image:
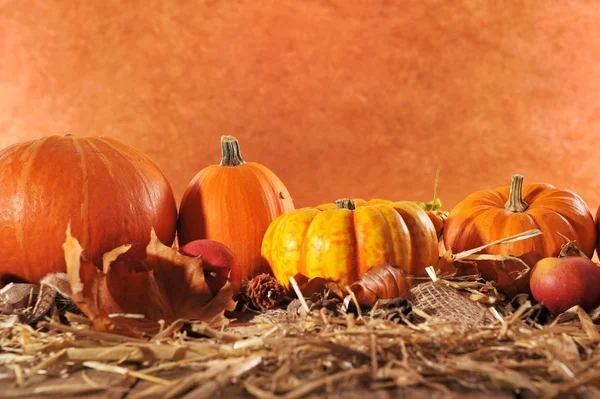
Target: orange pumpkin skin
column 111, row 193
column 342, row 244
column 233, row 203
column 484, row 217
column 598, row 231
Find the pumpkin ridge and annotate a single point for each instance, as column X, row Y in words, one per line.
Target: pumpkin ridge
column 535, row 191
column 31, row 151
column 574, row 224
column 372, row 249
column 85, row 205
column 277, row 231
column 301, row 265
column 266, row 247
column 484, row 203
column 398, row 256
column 471, row 235
column 557, row 199
column 101, row 155
column 352, row 268
column 491, row 198
column 550, row 194
column 459, row 235
column 325, row 259
column 526, row 222
column 391, row 256
column 11, row 150
column 262, row 185
column 550, row 240
column 193, row 189
column 141, row 154
column 266, row 180
column 143, row 178
column 419, row 226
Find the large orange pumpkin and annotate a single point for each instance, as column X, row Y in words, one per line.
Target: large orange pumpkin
column 233, row 203
column 486, row 216
column 343, row 241
column 111, row 193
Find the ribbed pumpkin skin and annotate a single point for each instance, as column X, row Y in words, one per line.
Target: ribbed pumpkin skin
column 111, row 193
column 482, row 218
column 234, row 205
column 343, row 244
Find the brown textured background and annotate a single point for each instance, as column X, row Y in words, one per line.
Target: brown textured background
column 339, row 98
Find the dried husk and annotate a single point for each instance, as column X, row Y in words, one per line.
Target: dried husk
column 136, row 299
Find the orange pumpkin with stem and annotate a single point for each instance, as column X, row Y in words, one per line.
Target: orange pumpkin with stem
column 233, row 203
column 486, row 216
column 343, row 241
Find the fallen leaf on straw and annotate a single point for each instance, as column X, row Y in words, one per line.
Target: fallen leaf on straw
column 32, row 301
column 165, row 286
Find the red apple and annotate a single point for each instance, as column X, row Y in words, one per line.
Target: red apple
column 561, row 283
column 217, row 261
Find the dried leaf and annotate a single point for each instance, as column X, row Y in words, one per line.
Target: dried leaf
column 588, row 325
column 59, row 282
column 14, row 296
column 165, row 286
column 514, row 238
column 381, row 282
column 32, row 301
column 317, row 285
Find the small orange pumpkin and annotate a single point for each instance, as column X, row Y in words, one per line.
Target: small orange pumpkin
column 233, row 203
column 486, row 216
column 342, row 241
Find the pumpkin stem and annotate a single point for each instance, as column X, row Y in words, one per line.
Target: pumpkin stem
column 515, row 201
column 230, row 149
column 345, row 204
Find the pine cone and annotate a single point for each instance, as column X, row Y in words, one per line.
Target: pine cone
column 265, row 292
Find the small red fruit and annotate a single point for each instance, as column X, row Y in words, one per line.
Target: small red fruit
column 561, row 283
column 217, row 261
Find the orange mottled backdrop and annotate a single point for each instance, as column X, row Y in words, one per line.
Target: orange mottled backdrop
column 361, row 98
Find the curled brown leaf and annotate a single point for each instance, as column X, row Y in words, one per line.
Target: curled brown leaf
column 381, row 282
column 32, row 301
column 131, row 298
